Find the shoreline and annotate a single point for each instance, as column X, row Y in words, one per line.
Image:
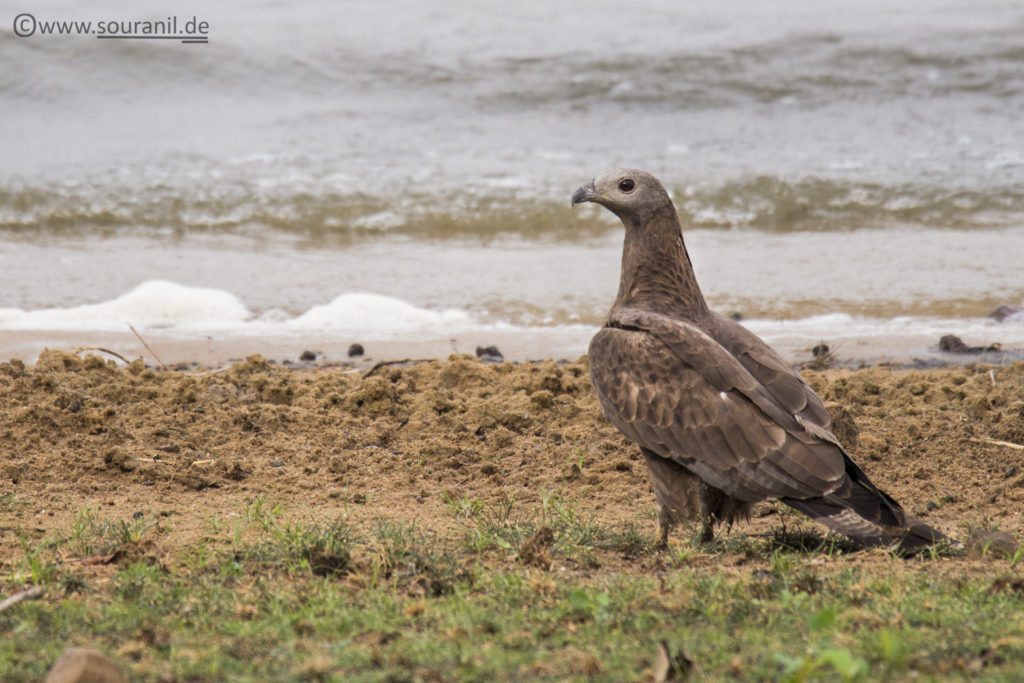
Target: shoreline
column 216, row 349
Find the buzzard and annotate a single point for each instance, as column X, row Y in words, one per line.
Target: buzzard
column 722, row 420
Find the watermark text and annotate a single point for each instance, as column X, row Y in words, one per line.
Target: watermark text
column 184, row 29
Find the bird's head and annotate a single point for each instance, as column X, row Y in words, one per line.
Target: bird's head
column 630, row 194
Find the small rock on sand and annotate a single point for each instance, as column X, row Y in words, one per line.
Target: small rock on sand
column 355, row 350
column 489, row 354
column 1004, row 311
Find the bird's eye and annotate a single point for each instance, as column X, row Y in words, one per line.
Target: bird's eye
column 626, row 185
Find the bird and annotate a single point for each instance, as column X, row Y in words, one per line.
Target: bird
column 722, row 420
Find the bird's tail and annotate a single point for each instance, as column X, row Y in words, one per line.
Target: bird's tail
column 860, row 510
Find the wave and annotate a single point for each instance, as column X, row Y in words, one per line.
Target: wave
column 319, row 206
column 812, row 66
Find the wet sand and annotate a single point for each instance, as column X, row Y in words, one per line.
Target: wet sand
column 215, row 349
column 397, row 441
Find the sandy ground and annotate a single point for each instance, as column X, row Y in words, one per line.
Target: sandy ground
column 213, row 349
column 80, row 432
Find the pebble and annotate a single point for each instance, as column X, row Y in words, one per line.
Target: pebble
column 355, row 350
column 489, row 354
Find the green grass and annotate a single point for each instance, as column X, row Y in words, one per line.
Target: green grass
column 271, row 598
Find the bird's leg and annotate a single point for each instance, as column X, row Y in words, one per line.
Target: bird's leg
column 707, row 529
column 707, row 514
column 664, row 525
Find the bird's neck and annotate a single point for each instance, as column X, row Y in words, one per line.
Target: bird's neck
column 656, row 271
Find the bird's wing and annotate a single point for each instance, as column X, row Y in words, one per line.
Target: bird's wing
column 784, row 384
column 673, row 389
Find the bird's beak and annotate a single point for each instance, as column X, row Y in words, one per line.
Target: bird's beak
column 587, row 193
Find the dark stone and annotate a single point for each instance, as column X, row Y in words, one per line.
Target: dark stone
column 355, row 350
column 1004, row 311
column 951, row 343
column 308, row 356
column 489, row 354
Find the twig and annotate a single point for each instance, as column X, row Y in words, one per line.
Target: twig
column 992, row 376
column 115, row 354
column 997, row 442
column 385, row 363
column 201, row 373
column 32, row 593
column 151, row 351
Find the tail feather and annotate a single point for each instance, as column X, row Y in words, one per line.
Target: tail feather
column 867, row 515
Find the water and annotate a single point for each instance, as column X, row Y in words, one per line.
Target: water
column 842, row 170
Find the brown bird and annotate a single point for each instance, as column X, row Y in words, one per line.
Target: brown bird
column 722, row 420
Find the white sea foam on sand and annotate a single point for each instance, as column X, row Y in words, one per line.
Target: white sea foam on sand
column 211, row 326
column 153, row 304
column 172, row 307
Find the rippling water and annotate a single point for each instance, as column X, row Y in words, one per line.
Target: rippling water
column 864, row 159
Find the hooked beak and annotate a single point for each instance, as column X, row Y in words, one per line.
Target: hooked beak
column 587, row 193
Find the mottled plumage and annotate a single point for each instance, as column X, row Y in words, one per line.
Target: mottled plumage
column 722, row 420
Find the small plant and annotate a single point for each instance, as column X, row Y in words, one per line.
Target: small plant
column 33, row 568
column 92, row 536
column 1017, row 556
column 8, row 501
column 495, row 528
column 569, row 526
column 256, row 512
column 825, row 662
column 462, row 507
column 324, row 550
column 406, row 554
column 590, row 605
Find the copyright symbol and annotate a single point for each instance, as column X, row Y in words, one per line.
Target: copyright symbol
column 24, row 25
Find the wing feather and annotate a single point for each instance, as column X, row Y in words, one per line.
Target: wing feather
column 676, row 391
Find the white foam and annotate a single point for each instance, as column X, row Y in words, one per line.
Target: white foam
column 158, row 304
column 840, row 326
column 153, row 304
column 375, row 312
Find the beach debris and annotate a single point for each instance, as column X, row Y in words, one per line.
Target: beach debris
column 997, row 442
column 489, row 354
column 951, row 343
column 33, row 593
column 102, row 350
column 822, row 355
column 355, row 350
column 84, row 664
column 1004, row 311
column 404, row 362
column 151, row 351
column 307, row 356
